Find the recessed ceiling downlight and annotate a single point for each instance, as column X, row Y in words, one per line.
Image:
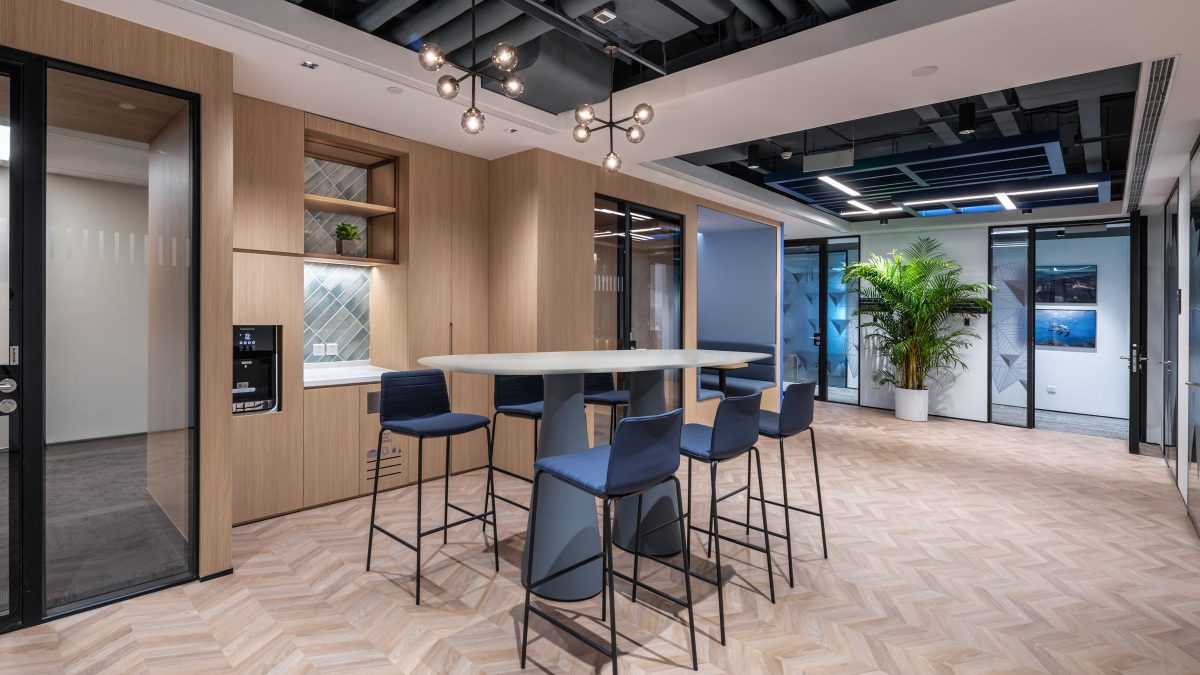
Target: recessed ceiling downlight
column 127, row 106
column 395, row 89
column 924, row 71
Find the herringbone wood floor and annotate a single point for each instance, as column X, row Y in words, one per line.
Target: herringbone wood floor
column 954, row 547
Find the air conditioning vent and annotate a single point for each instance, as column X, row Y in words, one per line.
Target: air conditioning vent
column 1157, row 89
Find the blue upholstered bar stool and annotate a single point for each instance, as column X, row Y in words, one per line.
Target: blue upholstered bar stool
column 520, row 396
column 598, row 389
column 795, row 416
column 415, row 403
column 734, row 433
column 644, row 454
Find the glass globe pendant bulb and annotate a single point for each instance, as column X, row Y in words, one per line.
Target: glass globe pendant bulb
column 473, row 121
column 512, row 86
column 635, row 133
column 504, row 57
column 584, row 114
column 447, row 87
column 431, row 56
column 612, row 162
column 581, row 133
column 643, row 113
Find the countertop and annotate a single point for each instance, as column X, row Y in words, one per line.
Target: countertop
column 346, row 372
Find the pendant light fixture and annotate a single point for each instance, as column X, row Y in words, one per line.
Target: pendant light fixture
column 585, row 115
column 504, row 59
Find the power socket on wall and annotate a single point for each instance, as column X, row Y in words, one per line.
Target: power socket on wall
column 331, row 349
column 318, row 349
column 1051, row 390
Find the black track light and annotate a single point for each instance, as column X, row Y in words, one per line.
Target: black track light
column 752, row 156
column 966, row 119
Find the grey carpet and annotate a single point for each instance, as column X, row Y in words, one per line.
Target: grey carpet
column 1051, row 420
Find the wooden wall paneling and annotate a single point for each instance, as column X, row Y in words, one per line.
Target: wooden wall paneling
column 268, row 176
column 381, row 230
column 269, row 447
column 335, row 133
column 566, row 287
column 64, row 31
column 512, row 288
column 389, row 289
column 430, row 232
column 469, row 298
column 169, row 453
column 396, row 449
column 332, row 440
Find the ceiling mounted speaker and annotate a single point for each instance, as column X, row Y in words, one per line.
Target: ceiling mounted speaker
column 966, row 119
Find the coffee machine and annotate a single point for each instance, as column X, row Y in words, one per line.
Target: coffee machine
column 255, row 369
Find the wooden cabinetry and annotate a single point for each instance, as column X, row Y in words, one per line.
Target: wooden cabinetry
column 268, row 184
column 332, row 454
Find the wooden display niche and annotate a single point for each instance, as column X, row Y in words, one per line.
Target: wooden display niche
column 381, row 208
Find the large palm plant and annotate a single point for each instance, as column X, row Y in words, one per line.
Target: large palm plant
column 913, row 301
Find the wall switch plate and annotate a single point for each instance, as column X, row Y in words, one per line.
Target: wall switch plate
column 331, row 349
column 1051, row 390
column 318, row 349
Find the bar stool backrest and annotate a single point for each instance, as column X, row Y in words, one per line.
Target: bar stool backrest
column 598, row 383
column 518, row 389
column 735, row 428
column 645, row 452
column 410, row 394
column 796, row 411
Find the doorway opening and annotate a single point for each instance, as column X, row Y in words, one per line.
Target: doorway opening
column 1064, row 327
column 820, row 323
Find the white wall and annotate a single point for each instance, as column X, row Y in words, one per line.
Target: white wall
column 1093, row 381
column 96, row 309
column 963, row 395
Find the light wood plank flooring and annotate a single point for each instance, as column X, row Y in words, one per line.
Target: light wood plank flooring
column 955, row 547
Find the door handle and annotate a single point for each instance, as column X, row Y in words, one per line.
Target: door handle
column 8, row 385
column 1192, row 384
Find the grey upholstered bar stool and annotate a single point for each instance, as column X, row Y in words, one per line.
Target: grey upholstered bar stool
column 415, row 403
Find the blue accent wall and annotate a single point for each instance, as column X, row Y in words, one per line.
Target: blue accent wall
column 737, row 285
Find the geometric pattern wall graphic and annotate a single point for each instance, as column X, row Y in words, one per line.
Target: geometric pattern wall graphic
column 337, row 301
column 331, row 179
column 801, row 316
column 842, row 334
column 1010, row 329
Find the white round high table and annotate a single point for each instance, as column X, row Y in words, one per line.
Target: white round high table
column 567, row 525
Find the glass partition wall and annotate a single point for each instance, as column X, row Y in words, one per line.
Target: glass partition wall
column 98, row 353
column 638, row 280
column 820, row 327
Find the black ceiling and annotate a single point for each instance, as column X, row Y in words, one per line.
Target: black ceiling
column 1054, row 134
column 562, row 71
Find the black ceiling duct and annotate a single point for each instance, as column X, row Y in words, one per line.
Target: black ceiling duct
column 966, row 119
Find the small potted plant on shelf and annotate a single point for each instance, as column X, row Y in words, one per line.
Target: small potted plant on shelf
column 914, row 307
column 345, row 232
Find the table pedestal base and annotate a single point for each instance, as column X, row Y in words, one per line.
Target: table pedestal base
column 647, row 397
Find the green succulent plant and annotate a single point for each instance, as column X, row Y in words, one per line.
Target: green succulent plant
column 347, row 232
column 912, row 302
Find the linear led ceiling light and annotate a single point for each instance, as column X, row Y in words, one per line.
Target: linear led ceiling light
column 890, row 209
column 1015, row 193
column 848, row 190
column 858, row 204
column 1006, row 201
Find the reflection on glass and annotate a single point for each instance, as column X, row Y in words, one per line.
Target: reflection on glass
column 801, row 313
column 120, row 427
column 1010, row 325
column 7, row 456
column 841, row 330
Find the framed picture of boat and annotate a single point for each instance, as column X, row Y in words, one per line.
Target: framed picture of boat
column 1072, row 284
column 1067, row 328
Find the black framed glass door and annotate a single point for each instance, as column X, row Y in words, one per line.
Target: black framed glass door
column 638, row 282
column 820, row 327
column 99, row 205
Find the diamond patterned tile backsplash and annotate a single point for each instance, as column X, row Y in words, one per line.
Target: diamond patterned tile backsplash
column 330, row 179
column 337, row 309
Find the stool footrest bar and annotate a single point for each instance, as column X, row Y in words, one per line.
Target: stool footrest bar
column 572, row 632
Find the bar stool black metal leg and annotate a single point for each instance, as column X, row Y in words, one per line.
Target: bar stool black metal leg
column 374, row 498
column 637, row 546
column 749, row 493
column 446, row 497
column 420, row 477
column 820, row 506
column 528, row 574
column 766, row 535
column 687, row 571
column 612, row 422
column 715, row 539
column 490, row 493
column 491, row 481
column 535, row 437
column 787, row 516
column 612, row 597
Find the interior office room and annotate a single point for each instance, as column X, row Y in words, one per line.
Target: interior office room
column 422, row 336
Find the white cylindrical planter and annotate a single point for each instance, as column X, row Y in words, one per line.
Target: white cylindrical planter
column 912, row 404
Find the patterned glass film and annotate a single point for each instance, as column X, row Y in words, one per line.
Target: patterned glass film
column 1010, row 325
column 841, row 331
column 801, row 312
